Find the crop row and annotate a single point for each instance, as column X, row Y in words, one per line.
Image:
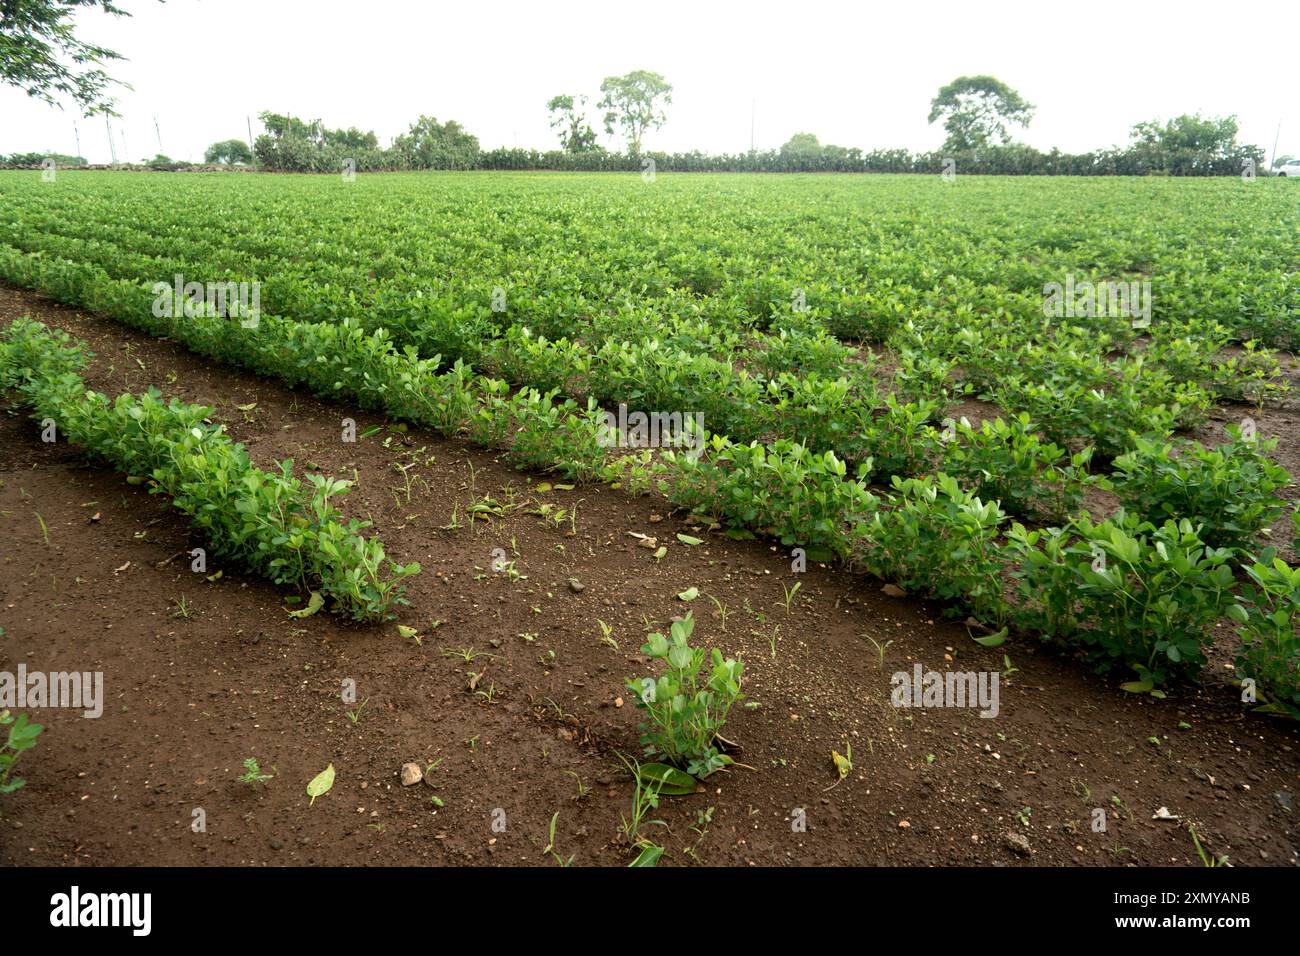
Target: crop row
column 268, row 522
column 1140, row 591
column 1036, row 479
column 1064, row 392
column 746, row 243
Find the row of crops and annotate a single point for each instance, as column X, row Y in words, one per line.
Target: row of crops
column 825, row 329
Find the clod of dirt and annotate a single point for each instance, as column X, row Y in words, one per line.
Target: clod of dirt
column 411, row 774
column 893, row 590
column 576, row 586
column 1017, row 843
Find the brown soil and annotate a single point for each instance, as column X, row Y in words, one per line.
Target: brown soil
column 189, row 697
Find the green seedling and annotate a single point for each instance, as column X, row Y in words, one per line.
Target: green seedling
column 789, row 594
column 253, row 773
column 21, row 737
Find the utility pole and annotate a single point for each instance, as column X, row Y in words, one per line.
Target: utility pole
column 158, row 133
column 77, row 134
column 1273, row 160
column 112, row 147
column 249, row 121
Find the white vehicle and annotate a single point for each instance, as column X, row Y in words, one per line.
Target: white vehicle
column 1290, row 168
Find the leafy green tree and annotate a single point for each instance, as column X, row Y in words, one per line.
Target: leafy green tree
column 40, row 54
column 280, row 126
column 229, row 152
column 801, row 146
column 1190, row 145
column 569, row 119
column 309, row 146
column 36, row 159
column 976, row 111
column 351, row 139
column 433, row 145
column 635, row 102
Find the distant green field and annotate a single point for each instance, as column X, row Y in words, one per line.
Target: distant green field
column 750, row 298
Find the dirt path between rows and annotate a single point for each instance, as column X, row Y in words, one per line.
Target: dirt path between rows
column 201, row 674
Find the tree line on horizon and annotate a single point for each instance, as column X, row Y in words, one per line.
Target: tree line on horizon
column 977, row 113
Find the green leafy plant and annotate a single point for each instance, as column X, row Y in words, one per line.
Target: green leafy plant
column 253, row 773
column 1006, row 461
column 21, row 737
column 1228, row 491
column 1126, row 591
column 939, row 539
column 1268, row 622
column 267, row 521
column 645, row 800
column 550, row 844
column 687, row 705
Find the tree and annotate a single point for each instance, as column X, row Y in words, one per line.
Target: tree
column 576, row 135
column 635, row 102
column 433, row 145
column 1188, row 145
column 801, row 146
column 36, row 159
column 351, row 139
column 976, row 111
column 228, row 152
column 40, row 54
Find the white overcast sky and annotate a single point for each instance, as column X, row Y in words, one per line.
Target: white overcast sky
column 855, row 74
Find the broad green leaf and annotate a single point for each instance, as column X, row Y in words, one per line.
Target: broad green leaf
column 1138, row 686
column 321, row 784
column 314, row 604
column 668, row 781
column 649, row 856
